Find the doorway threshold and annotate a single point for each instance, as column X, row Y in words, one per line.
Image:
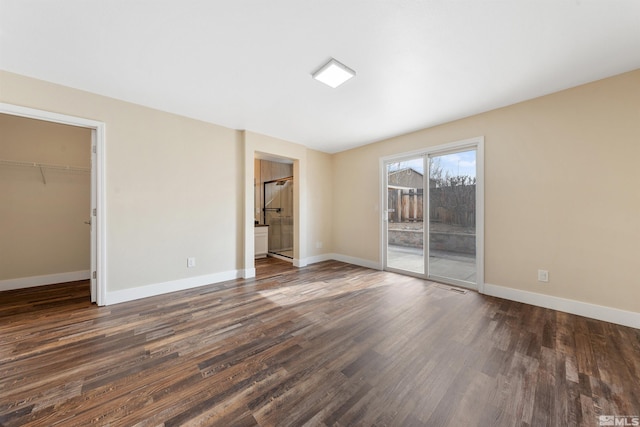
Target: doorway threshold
column 280, row 256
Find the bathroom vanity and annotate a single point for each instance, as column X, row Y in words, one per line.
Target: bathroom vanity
column 261, row 242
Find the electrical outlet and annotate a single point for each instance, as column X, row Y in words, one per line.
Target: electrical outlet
column 318, row 245
column 543, row 276
column 191, row 262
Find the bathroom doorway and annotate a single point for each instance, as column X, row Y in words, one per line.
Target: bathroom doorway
column 278, row 215
column 274, row 189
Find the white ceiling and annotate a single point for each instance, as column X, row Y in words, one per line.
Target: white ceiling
column 246, row 64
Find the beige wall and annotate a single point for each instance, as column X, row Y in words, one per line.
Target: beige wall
column 561, row 189
column 561, row 192
column 312, row 195
column 42, row 224
column 172, row 185
column 320, row 203
column 178, row 188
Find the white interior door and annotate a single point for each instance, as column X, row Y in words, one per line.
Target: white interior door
column 92, row 220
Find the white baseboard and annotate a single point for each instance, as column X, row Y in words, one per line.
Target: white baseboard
column 124, row 295
column 302, row 262
column 607, row 314
column 248, row 273
column 594, row 311
column 343, row 258
column 319, row 258
column 357, row 261
column 283, row 258
column 47, row 279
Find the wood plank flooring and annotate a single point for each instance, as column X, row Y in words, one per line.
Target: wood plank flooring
column 327, row 345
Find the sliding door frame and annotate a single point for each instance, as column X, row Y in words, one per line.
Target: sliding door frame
column 384, row 202
column 476, row 144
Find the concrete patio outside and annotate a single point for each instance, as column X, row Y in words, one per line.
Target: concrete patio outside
column 452, row 265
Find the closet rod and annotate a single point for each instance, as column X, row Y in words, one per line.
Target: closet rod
column 44, row 165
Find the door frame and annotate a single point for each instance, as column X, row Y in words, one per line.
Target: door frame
column 256, row 146
column 476, row 143
column 98, row 220
column 384, row 201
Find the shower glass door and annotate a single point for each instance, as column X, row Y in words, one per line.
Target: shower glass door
column 278, row 214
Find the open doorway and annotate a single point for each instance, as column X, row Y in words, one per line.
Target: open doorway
column 261, row 147
column 50, row 172
column 274, row 204
column 45, row 180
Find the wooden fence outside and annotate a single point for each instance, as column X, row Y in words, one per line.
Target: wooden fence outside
column 449, row 205
column 405, row 205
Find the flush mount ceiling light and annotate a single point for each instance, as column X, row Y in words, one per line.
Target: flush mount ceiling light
column 333, row 73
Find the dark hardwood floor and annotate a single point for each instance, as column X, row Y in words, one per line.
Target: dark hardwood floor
column 330, row 344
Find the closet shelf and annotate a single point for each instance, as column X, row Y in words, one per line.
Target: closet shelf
column 44, row 166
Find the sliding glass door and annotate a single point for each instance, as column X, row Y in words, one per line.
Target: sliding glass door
column 452, row 216
column 432, row 223
column 405, row 215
